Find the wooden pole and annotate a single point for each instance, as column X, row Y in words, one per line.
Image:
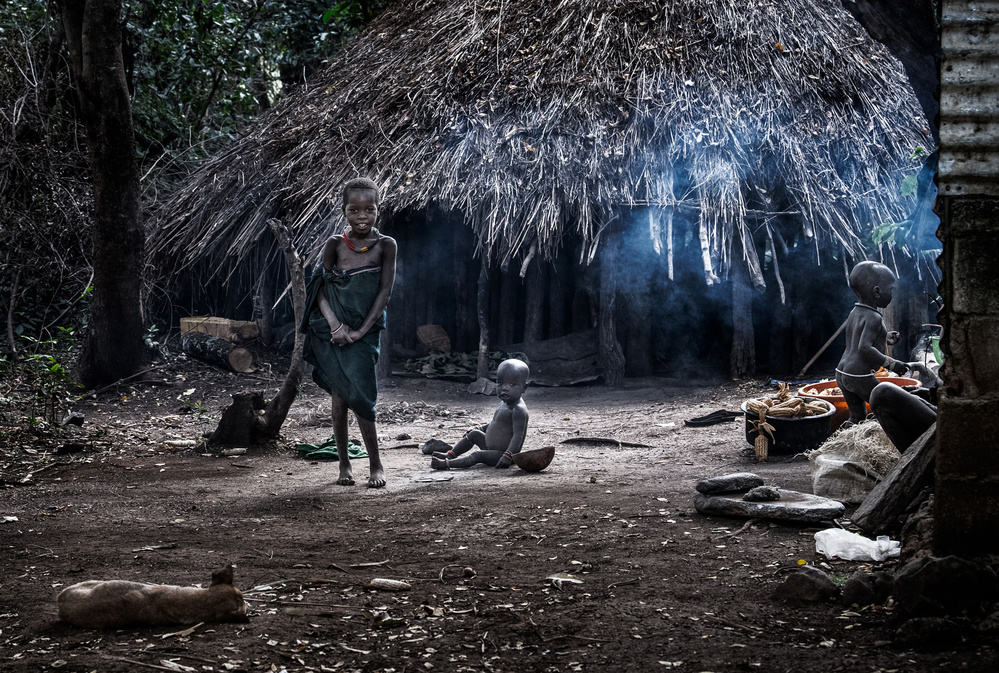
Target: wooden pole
column 823, row 349
column 482, row 309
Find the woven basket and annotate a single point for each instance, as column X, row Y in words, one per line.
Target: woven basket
column 433, row 337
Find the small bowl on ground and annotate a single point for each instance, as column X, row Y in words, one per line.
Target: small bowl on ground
column 535, row 460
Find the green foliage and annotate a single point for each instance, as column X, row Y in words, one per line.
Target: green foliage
column 909, row 186
column 895, row 233
column 899, row 233
column 200, row 69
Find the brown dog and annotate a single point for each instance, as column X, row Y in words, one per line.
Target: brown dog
column 116, row 604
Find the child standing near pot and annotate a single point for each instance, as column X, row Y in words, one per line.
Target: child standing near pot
column 866, row 338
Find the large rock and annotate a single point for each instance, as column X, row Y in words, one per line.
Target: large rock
column 865, row 588
column 729, row 483
column 940, row 587
column 932, row 633
column 892, row 496
column 792, row 506
column 807, row 584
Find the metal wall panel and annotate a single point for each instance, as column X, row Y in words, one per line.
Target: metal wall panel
column 969, row 98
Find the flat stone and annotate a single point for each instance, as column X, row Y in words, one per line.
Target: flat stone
column 729, row 483
column 792, row 506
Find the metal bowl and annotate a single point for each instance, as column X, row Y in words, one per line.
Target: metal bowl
column 535, row 460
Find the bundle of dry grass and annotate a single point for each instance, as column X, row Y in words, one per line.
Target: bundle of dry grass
column 865, row 444
column 537, row 120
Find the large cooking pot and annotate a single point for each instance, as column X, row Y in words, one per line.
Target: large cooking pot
column 793, row 435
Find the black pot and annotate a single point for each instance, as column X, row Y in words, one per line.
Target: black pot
column 793, row 435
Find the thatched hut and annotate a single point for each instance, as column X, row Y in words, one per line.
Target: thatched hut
column 637, row 161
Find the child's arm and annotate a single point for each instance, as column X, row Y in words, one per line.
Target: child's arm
column 338, row 331
column 871, row 337
column 519, row 421
column 389, row 253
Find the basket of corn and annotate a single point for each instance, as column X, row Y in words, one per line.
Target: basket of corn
column 786, row 423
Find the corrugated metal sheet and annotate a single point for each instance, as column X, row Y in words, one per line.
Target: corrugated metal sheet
column 969, row 98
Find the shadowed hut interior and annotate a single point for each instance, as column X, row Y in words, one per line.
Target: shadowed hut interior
column 691, row 179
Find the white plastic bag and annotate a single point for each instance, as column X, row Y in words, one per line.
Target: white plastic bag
column 839, row 543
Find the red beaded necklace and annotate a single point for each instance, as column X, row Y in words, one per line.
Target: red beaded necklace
column 353, row 247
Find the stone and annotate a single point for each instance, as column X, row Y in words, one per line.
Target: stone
column 792, row 506
column 930, row 633
column 74, row 418
column 762, row 494
column 935, row 587
column 433, row 445
column 729, row 483
column 898, row 489
column 917, row 533
column 806, row 584
column 482, row 386
column 867, row 588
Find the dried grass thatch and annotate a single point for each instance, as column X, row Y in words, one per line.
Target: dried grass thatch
column 541, row 119
column 866, row 444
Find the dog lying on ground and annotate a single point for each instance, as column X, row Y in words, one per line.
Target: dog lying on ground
column 117, row 604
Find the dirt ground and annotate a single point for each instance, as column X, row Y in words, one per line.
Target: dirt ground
column 660, row 587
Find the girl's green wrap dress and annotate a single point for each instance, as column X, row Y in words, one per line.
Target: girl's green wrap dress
column 350, row 369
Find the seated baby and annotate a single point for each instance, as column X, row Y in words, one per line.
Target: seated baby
column 503, row 437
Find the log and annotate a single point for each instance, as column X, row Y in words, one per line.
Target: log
column 895, row 493
column 216, row 351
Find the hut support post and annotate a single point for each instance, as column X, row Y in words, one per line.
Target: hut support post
column 506, row 325
column 534, row 311
column 742, row 359
column 611, row 354
column 482, row 310
column 264, row 304
column 464, row 327
column 556, row 298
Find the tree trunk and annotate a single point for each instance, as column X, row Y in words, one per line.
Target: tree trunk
column 482, row 310
column 742, row 359
column 11, row 340
column 611, row 355
column 242, row 424
column 113, row 347
column 534, row 310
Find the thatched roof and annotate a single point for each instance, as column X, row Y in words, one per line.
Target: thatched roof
column 539, row 119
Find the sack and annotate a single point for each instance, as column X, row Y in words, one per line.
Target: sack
column 840, row 478
column 842, row 544
column 848, row 465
